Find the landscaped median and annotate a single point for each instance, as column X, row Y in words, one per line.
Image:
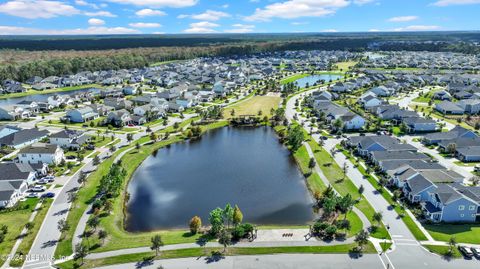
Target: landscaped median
column 444, row 251
column 206, row 252
column 409, row 222
column 343, row 185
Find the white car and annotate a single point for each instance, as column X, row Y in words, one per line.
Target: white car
column 31, row 195
column 38, row 189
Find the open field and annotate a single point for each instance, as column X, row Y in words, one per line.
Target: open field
column 252, row 106
column 198, row 252
column 345, row 66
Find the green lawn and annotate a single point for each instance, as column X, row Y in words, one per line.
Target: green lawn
column 315, row 184
column 64, row 89
column 463, row 233
column 252, row 106
column 293, row 78
column 443, row 250
column 15, row 222
column 28, row 239
column 203, row 252
column 345, row 66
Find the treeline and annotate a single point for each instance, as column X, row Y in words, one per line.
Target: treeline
column 141, row 57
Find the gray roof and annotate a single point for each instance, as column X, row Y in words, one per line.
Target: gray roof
column 418, row 183
column 14, row 171
column 398, row 155
column 39, row 148
column 22, row 136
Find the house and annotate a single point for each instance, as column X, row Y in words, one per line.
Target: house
column 153, row 111
column 469, row 106
column 447, row 107
column 456, row 132
column 365, row 145
column 118, row 103
column 23, row 138
column 41, row 153
column 119, row 118
column 468, row 154
column 8, row 129
column 11, row 112
column 382, row 91
column 334, row 112
column 81, row 114
column 419, row 124
column 129, row 90
column 69, row 139
column 442, row 95
column 377, row 157
column 453, row 203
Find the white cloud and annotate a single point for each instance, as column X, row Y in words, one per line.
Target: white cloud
column 241, row 28
column 208, row 15
column 444, row 3
column 147, row 12
column 202, row 27
column 418, row 28
column 403, row 18
column 225, row 6
column 157, row 3
column 86, row 4
column 145, row 25
column 34, row 9
column 12, row 30
column 100, row 14
column 362, row 2
column 297, row 8
column 96, row 22
column 299, row 23
column 330, row 31
column 374, row 30
column 158, row 33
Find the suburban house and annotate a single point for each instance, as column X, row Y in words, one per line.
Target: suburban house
column 442, row 95
column 41, row 153
column 457, row 132
column 333, row 112
column 365, row 145
column 14, row 181
column 447, row 107
column 81, row 115
column 69, row 139
column 419, row 124
column 23, row 137
column 119, row 118
column 468, row 154
column 8, row 129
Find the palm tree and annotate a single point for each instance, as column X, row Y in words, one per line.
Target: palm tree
column 80, row 252
column 225, row 239
column 377, row 217
column 156, row 243
column 362, row 238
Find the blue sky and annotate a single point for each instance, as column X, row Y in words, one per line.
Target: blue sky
column 234, row 16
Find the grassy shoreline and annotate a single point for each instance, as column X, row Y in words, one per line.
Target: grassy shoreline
column 35, row 92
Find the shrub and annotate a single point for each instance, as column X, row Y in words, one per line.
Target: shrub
column 319, row 227
column 238, row 232
column 330, row 231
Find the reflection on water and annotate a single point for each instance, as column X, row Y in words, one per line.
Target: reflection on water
column 311, row 80
column 244, row 166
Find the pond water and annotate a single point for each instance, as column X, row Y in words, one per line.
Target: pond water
column 243, row 166
column 312, row 79
column 43, row 97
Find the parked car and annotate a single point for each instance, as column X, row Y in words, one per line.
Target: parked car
column 476, row 252
column 48, row 195
column 42, row 181
column 50, row 177
column 38, row 189
column 32, row 195
column 466, row 252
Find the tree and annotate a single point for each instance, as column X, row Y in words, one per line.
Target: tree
column 232, row 113
column 80, row 252
column 237, row 215
column 153, row 136
column 225, row 239
column 102, row 234
column 452, row 242
column 156, row 243
column 362, row 238
column 337, row 124
column 4, row 229
column 475, row 181
column 93, row 223
column 452, row 148
column 295, row 137
column 312, row 163
column 345, row 204
column 216, row 221
column 129, row 137
column 2, row 237
column 195, row 224
column 108, row 206
column 82, row 177
column 63, row 226
column 377, row 217
column 228, row 214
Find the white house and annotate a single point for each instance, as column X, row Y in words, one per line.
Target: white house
column 41, row 153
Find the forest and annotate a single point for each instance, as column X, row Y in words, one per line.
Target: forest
column 22, row 57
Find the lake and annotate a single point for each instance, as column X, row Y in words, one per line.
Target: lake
column 243, row 166
column 312, row 79
column 43, row 97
